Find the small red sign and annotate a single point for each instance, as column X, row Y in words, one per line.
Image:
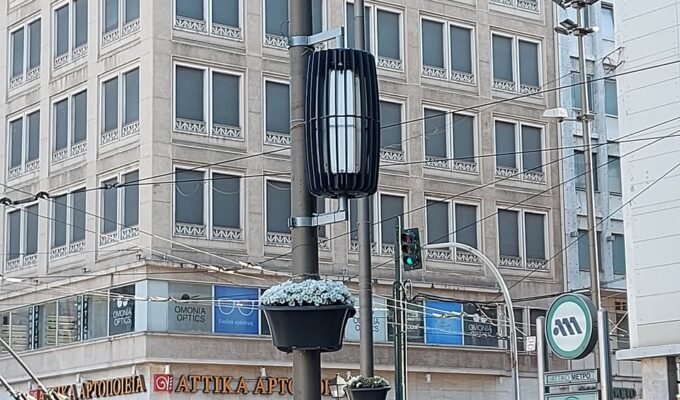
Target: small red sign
column 162, row 383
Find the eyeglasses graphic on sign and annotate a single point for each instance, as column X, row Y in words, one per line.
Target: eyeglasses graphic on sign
column 244, row 307
column 122, row 302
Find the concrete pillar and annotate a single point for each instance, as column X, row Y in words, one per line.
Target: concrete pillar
column 659, row 378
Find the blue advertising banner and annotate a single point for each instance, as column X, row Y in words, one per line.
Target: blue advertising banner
column 443, row 322
column 236, row 310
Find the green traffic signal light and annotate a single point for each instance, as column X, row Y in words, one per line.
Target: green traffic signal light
column 410, row 249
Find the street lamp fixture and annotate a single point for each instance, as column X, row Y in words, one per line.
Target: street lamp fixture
column 337, row 386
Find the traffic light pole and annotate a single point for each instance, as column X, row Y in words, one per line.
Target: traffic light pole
column 400, row 332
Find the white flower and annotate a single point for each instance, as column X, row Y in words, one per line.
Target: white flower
column 368, row 382
column 308, row 292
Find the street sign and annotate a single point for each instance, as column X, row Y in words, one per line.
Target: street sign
column 573, row 396
column 570, row 326
column 530, row 343
column 581, row 377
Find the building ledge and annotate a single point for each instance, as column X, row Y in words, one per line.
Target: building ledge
column 669, row 350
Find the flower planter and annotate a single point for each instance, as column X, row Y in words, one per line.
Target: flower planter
column 308, row 327
column 367, row 393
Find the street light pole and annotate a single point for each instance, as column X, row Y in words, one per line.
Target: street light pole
column 514, row 356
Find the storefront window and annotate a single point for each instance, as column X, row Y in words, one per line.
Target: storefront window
column 352, row 332
column 19, row 330
column 94, row 311
column 122, row 310
column 47, row 325
column 68, row 325
column 443, row 322
column 479, row 325
column 4, row 330
column 191, row 311
column 236, row 310
column 414, row 322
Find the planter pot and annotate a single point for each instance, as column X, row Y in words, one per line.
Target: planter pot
column 308, row 327
column 367, row 393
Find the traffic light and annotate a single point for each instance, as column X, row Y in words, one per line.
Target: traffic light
column 410, row 249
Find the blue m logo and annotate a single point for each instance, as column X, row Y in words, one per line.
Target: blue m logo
column 567, row 327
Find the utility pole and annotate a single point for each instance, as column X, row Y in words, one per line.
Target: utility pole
column 16, row 395
column 585, row 118
column 305, row 253
column 400, row 331
column 364, row 236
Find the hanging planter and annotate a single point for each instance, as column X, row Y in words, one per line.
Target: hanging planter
column 308, row 315
column 367, row 388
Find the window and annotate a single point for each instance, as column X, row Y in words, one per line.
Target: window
column 534, row 314
column 121, row 18
column 447, row 51
column 120, row 106
column 70, row 32
column 607, row 22
column 614, row 175
column 611, row 106
column 584, row 250
column 24, row 144
column 516, row 58
column 518, row 313
column 69, row 126
column 391, row 131
column 576, row 92
column 619, row 254
column 22, row 238
column 220, row 194
column 122, row 310
column 353, row 227
column 276, row 21
column 277, row 113
column 391, row 207
column 208, row 102
column 218, row 17
column 415, row 321
column 278, row 210
column 68, row 223
column 120, row 208
column 522, row 239
column 449, row 140
column 25, row 53
column 15, row 327
column 451, row 222
column 525, row 5
column 580, row 170
column 383, row 34
column 519, row 151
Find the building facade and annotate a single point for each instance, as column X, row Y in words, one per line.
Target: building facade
column 146, row 191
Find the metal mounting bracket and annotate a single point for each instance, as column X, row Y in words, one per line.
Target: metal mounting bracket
column 335, row 33
column 322, row 219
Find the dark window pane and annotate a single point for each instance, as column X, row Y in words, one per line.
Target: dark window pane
column 131, row 199
column 225, row 12
column 111, row 104
column 189, row 197
column 461, row 52
column 435, row 133
column 47, row 325
column 353, row 213
column 131, row 10
column 534, row 314
column 505, row 145
column 18, row 52
column 349, row 30
column 463, row 138
column 390, row 208
column 78, row 216
column 610, row 101
column 16, row 140
column 466, row 224
column 619, row 254
column 614, row 172
column 131, row 108
column 528, row 63
column 276, row 17
column 226, row 99
column 278, row 107
column 34, row 29
column 320, row 209
column 14, row 222
column 576, row 91
column 226, row 191
column 607, row 23
column 508, row 233
column 534, row 225
column 389, row 35
column 31, row 230
column 80, row 117
column 390, row 114
column 61, row 124
column 189, row 93
column 62, row 21
column 81, row 22
column 278, row 206
column 437, row 222
column 583, row 251
column 33, row 149
column 532, row 159
column 59, row 221
column 433, row 43
column 596, row 171
column 580, row 169
column 110, row 206
column 502, row 58
column 190, row 9
column 110, row 15
column 122, row 310
column 68, row 321
column 317, row 16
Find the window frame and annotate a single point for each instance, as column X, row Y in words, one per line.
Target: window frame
column 210, row 28
column 273, row 138
column 70, row 247
column 72, row 148
column 384, row 249
column 519, row 173
column 24, row 260
column 121, row 131
column 26, row 166
column 515, row 86
column 450, row 163
column 123, row 28
column 611, row 8
column 237, row 234
column 73, row 53
column 277, row 239
column 122, row 233
column 382, row 63
column 392, row 154
column 28, row 74
column 523, row 262
column 454, row 255
column 464, row 78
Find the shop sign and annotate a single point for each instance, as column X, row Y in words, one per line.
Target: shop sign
column 125, row 386
column 121, row 315
column 624, row 393
column 443, row 322
column 352, row 332
column 185, row 315
column 221, row 385
column 570, row 326
column 236, row 310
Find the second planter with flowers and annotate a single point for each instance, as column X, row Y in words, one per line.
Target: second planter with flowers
column 307, row 315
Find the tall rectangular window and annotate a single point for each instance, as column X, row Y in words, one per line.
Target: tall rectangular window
column 611, row 106
column 190, row 9
column 390, row 208
column 349, row 31
column 79, row 122
column 189, row 94
column 120, row 121
column 16, row 134
column 131, row 12
column 614, row 175
column 532, row 158
column 226, row 201
column 619, row 254
column 278, row 207
column 505, row 145
column 110, row 206
column 463, row 138
column 432, row 34
column 390, row 121
column 580, row 170
column 277, row 118
column 576, row 91
column 226, row 99
column 62, row 30
column 466, row 224
column 130, row 199
column 131, row 96
column 111, row 104
column 120, row 208
column 389, row 34
column 61, row 124
column 435, row 133
column 275, row 19
column 220, row 18
column 33, row 147
column 529, row 65
column 14, row 234
column 77, row 212
column 514, row 58
column 110, row 15
column 30, row 233
column 534, row 227
column 607, row 22
column 80, row 34
column 34, row 40
column 59, row 223
column 583, row 250
column 70, row 30
column 68, row 223
column 461, row 49
column 353, row 213
column 437, row 222
column 69, row 127
column 502, row 58
column 17, row 40
column 226, row 12
column 508, row 236
column 24, row 62
column 189, row 197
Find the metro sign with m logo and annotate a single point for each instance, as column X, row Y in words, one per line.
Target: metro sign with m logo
column 571, row 332
column 567, row 327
